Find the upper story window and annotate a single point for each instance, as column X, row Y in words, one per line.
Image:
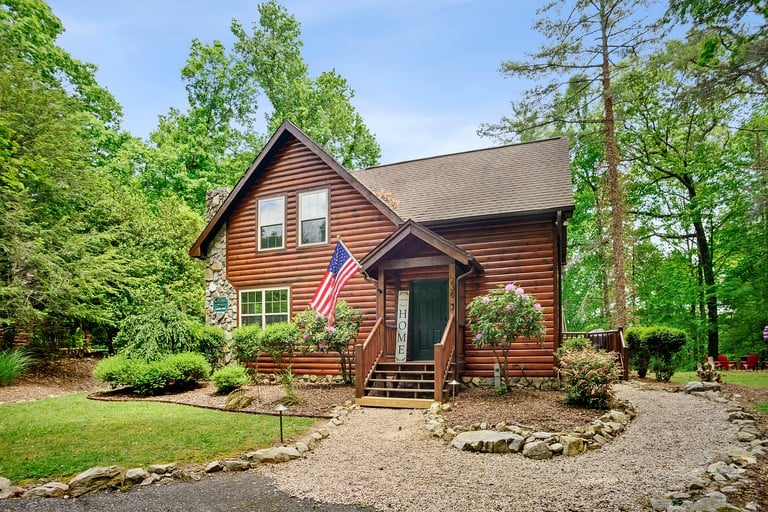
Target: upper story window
column 313, row 217
column 272, row 223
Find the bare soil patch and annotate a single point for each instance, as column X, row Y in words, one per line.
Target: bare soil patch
column 52, row 377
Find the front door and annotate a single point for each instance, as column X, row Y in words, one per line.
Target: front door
column 429, row 314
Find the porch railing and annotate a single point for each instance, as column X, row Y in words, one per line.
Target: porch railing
column 610, row 341
column 366, row 356
column 444, row 354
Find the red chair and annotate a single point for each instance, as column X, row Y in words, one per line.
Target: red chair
column 753, row 362
column 723, row 362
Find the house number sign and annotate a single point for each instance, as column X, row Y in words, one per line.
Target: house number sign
column 401, row 341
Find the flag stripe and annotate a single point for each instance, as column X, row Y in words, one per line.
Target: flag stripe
column 340, row 270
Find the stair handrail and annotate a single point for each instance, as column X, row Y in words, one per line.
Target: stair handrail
column 366, row 355
column 444, row 354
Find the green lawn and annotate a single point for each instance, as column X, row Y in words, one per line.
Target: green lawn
column 60, row 437
column 743, row 378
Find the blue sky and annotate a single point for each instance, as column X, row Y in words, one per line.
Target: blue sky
column 425, row 73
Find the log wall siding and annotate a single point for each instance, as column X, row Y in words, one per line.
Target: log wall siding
column 523, row 253
column 351, row 216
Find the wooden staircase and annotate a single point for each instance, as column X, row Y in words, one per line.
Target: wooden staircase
column 400, row 385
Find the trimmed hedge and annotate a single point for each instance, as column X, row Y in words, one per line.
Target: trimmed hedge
column 229, row 378
column 152, row 377
column 655, row 348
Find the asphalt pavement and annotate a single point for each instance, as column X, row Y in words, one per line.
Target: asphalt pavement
column 240, row 492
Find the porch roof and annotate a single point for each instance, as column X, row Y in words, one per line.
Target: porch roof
column 413, row 230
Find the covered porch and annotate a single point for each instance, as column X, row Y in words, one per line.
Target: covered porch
column 416, row 345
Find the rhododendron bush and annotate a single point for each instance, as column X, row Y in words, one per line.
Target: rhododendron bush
column 500, row 317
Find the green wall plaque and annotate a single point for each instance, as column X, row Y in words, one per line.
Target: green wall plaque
column 220, row 304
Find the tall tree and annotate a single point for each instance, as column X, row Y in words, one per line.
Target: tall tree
column 582, row 45
column 686, row 166
column 731, row 38
column 320, row 106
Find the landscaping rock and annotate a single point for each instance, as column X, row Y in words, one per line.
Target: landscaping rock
column 697, row 386
column 214, row 467
column 236, row 465
column 162, row 469
column 572, row 446
column 273, row 455
column 49, row 490
column 537, row 450
column 95, row 479
column 8, row 490
column 488, row 441
column 742, row 457
column 136, row 475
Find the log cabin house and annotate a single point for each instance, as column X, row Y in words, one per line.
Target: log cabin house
column 430, row 234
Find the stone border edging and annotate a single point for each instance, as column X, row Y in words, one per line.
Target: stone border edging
column 111, row 477
column 724, row 475
column 503, row 438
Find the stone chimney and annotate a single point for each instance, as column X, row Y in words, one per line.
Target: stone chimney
column 213, row 201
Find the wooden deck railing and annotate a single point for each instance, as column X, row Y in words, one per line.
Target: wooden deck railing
column 444, row 354
column 610, row 341
column 366, row 356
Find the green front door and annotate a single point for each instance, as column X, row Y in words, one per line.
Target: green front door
column 429, row 314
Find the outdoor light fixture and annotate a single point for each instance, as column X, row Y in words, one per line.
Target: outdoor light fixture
column 454, row 383
column 281, row 409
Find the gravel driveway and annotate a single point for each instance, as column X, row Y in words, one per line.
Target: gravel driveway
column 384, row 459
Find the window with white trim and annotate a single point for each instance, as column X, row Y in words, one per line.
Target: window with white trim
column 271, row 223
column 313, row 217
column 264, row 307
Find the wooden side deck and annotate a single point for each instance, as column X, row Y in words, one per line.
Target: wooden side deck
column 610, row 341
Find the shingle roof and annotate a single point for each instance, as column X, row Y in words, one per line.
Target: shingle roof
column 507, row 180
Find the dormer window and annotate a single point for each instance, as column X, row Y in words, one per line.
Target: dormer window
column 271, row 223
column 313, row 217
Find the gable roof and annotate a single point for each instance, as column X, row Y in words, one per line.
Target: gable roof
column 515, row 179
column 410, row 230
column 283, row 134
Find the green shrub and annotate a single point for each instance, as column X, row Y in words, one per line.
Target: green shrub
column 246, row 342
column 12, row 365
column 316, row 334
column 159, row 330
column 229, row 378
column 589, row 376
column 639, row 355
column 279, row 339
column 655, row 347
column 574, row 344
column 209, row 341
column 149, row 378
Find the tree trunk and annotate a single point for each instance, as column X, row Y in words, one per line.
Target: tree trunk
column 615, row 198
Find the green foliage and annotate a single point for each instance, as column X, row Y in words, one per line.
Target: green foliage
column 288, row 381
column 229, row 378
column 159, row 330
column 639, row 353
column 209, row 341
column 571, row 344
column 656, row 348
column 279, row 339
column 177, row 371
column 502, row 316
column 70, row 434
column 12, row 365
column 246, row 342
column 589, row 376
column 318, row 335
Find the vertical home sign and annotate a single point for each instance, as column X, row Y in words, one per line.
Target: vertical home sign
column 401, row 342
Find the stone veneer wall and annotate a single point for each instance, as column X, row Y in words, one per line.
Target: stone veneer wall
column 216, row 284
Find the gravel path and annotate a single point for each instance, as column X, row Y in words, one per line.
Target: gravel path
column 385, row 459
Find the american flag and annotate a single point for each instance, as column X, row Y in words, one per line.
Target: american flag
column 342, row 267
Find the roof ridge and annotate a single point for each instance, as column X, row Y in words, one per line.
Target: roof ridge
column 502, row 146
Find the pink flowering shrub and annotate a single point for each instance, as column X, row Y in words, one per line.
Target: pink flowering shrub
column 588, row 374
column 317, row 335
column 502, row 316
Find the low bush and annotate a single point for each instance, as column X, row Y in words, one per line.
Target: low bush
column 655, row 348
column 229, row 378
column 152, row 377
column 589, row 376
column 246, row 342
column 209, row 341
column 12, row 365
column 279, row 339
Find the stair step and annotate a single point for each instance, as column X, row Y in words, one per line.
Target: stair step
column 404, row 381
column 402, row 372
column 395, row 403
